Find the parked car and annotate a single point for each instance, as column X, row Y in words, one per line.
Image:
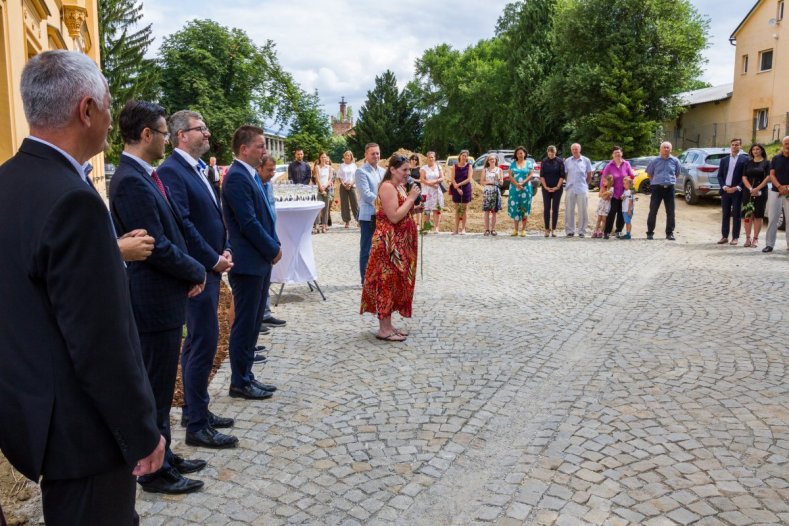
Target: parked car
column 640, row 179
column 597, row 173
column 505, row 159
column 280, row 174
column 699, row 173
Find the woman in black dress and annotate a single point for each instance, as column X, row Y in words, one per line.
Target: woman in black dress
column 756, row 174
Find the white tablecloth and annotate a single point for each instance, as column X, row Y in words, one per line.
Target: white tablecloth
column 294, row 228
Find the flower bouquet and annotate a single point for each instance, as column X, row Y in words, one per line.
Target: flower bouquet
column 747, row 211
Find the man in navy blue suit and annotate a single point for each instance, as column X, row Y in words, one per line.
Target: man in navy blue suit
column 161, row 284
column 201, row 212
column 730, row 179
column 256, row 248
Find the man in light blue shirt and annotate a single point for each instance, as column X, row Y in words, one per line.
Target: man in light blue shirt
column 368, row 178
column 662, row 172
column 579, row 173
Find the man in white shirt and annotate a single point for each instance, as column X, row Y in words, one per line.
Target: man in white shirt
column 579, row 173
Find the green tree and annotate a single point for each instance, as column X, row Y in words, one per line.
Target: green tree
column 338, row 145
column 618, row 68
column 230, row 80
column 310, row 129
column 122, row 45
column 388, row 117
column 462, row 97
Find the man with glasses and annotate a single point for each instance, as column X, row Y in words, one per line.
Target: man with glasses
column 197, row 201
column 161, row 284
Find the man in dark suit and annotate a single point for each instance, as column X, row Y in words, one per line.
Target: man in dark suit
column 256, row 247
column 214, row 175
column 161, row 284
column 201, row 212
column 77, row 409
column 730, row 173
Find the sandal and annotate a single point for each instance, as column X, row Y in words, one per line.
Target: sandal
column 487, row 233
column 755, row 241
column 401, row 332
column 391, row 337
column 747, row 243
column 734, row 241
column 494, row 233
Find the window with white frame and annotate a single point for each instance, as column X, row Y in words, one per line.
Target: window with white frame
column 760, row 120
column 766, row 60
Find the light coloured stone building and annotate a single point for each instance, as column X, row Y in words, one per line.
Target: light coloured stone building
column 754, row 107
column 27, row 28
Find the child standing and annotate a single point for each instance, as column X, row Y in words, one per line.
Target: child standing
column 604, row 205
column 628, row 205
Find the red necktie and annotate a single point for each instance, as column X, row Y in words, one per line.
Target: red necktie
column 159, row 185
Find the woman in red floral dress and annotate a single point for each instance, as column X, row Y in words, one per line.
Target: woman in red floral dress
column 391, row 270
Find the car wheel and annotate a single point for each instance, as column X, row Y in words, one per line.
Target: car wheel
column 690, row 194
column 645, row 187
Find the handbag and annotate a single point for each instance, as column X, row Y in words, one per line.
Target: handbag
column 442, row 187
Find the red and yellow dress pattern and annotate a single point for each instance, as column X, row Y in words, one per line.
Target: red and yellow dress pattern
column 391, row 270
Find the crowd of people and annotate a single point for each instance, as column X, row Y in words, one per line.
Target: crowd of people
column 96, row 300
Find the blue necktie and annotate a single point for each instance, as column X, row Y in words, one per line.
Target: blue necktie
column 265, row 199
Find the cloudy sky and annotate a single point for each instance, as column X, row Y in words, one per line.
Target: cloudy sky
column 338, row 47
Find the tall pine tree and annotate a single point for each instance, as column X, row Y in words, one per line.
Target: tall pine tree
column 129, row 74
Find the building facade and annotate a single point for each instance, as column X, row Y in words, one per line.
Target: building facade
column 757, row 107
column 27, row 28
column 275, row 144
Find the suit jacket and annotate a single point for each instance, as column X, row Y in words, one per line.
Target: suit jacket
column 160, row 284
column 739, row 168
column 75, row 396
column 250, row 223
column 200, row 212
column 368, row 179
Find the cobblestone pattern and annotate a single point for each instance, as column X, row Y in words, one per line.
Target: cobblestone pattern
column 546, row 381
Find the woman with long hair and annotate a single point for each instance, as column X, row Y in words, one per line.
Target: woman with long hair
column 431, row 178
column 461, row 190
column 323, row 176
column 391, row 269
column 491, row 180
column 755, row 176
column 348, row 203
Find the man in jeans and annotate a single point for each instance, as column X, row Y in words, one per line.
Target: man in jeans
column 579, row 173
column 368, row 178
column 662, row 172
column 777, row 198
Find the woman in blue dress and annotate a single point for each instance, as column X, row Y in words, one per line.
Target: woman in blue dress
column 520, row 193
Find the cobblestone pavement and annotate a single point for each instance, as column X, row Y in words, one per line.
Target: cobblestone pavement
column 545, row 381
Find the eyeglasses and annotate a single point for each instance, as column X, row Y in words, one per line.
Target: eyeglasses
column 166, row 135
column 201, row 129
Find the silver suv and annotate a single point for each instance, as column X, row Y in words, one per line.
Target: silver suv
column 699, row 173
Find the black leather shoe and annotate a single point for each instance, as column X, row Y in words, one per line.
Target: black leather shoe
column 264, row 387
column 261, row 348
column 171, row 482
column 185, row 466
column 264, row 329
column 650, row 237
column 210, row 437
column 271, row 321
column 259, row 358
column 250, row 392
column 767, row 249
column 214, row 421
column 606, row 236
column 671, row 237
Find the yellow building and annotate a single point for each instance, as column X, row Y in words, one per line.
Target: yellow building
column 757, row 105
column 28, row 27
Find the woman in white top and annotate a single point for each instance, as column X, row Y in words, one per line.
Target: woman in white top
column 491, row 180
column 323, row 175
column 348, row 203
column 431, row 177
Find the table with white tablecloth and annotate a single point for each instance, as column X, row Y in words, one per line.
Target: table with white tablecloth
column 294, row 228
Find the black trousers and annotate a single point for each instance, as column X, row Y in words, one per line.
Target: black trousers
column 732, row 206
column 661, row 194
column 106, row 499
column 160, row 353
column 249, row 302
column 616, row 210
column 550, row 207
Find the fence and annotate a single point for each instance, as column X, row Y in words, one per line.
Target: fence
column 693, row 135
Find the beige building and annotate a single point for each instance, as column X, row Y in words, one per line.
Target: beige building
column 755, row 106
column 28, row 27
